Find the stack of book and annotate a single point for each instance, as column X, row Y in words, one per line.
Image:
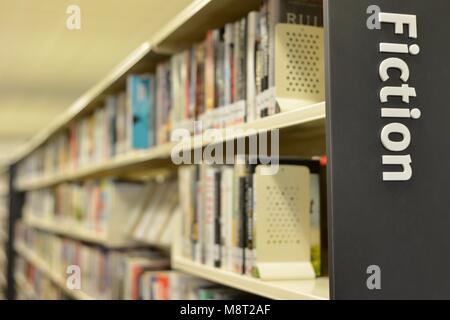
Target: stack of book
column 218, row 206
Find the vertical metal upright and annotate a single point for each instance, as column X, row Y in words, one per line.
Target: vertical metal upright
column 16, row 200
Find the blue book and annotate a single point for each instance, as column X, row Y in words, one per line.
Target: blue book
column 140, row 97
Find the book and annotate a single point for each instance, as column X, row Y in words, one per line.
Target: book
column 140, row 103
column 210, row 94
column 122, row 124
column 252, row 20
column 111, row 111
column 219, row 218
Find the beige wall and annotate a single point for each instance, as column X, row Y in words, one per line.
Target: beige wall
column 44, row 66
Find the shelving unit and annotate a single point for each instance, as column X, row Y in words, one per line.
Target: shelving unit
column 70, row 232
column 45, row 269
column 186, row 28
column 4, row 229
column 156, row 157
column 26, row 290
column 282, row 290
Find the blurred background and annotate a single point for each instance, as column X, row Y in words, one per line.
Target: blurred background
column 44, row 66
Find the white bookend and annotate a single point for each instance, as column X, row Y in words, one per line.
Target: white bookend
column 299, row 70
column 282, row 223
column 299, row 65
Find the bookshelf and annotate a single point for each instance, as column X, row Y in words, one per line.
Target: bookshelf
column 59, row 281
column 26, row 290
column 71, row 232
column 317, row 289
column 190, row 24
column 305, row 124
column 157, row 158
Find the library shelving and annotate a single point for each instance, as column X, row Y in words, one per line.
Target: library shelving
column 302, row 134
column 26, row 291
column 311, row 117
column 43, row 266
column 70, row 232
column 4, row 230
column 317, row 289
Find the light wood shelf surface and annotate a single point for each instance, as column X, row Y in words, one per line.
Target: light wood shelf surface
column 317, row 289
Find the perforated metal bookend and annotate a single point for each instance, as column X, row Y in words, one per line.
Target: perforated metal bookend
column 299, row 66
column 282, row 223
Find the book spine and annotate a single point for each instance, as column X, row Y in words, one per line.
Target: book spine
column 249, row 254
column 151, row 131
column 209, row 72
column 264, row 45
column 228, row 64
column 217, row 217
column 219, row 48
column 242, row 225
column 138, row 99
column 200, row 80
column 192, row 82
column 251, row 59
column 200, row 225
column 224, row 219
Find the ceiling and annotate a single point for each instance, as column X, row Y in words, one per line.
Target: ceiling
column 44, row 66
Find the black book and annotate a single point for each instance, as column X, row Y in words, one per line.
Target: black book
column 242, row 224
column 217, row 217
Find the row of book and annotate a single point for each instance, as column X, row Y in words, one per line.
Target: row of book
column 97, row 207
column 174, row 285
column 32, row 284
column 132, row 274
column 120, row 212
column 215, row 83
column 220, row 217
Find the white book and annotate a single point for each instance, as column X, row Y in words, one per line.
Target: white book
column 209, row 215
column 161, row 214
column 226, row 203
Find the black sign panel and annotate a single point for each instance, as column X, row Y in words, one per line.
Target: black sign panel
column 388, row 110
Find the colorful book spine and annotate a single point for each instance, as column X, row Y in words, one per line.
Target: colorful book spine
column 140, row 101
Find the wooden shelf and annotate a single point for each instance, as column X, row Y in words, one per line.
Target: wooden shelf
column 48, row 272
column 73, row 233
column 281, row 290
column 158, row 156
